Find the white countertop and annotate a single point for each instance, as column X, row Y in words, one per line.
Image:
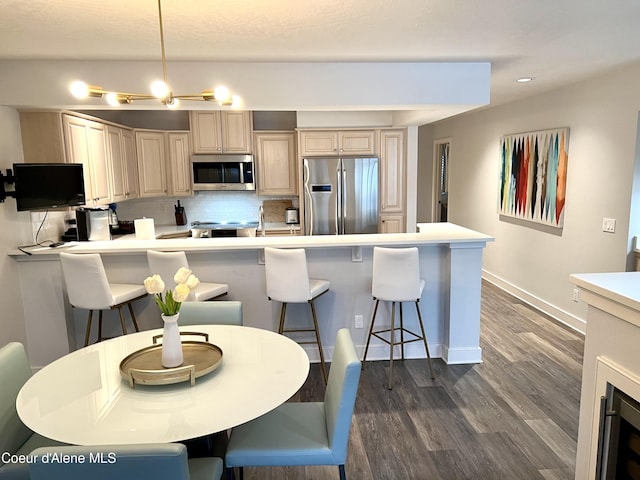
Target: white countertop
column 431, row 234
column 620, row 287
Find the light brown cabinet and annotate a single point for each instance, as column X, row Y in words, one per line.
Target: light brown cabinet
column 86, row 143
column 390, row 223
column 276, row 163
column 221, row 131
column 152, row 163
column 392, row 171
column 163, row 162
column 337, row 142
column 179, row 163
column 122, row 155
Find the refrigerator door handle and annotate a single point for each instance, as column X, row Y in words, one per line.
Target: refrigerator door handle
column 308, row 200
column 345, row 199
column 338, row 198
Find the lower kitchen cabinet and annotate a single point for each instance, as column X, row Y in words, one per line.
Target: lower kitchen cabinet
column 391, row 224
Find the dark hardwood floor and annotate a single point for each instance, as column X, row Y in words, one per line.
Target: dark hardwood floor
column 515, row 416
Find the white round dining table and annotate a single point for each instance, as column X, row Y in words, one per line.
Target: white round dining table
column 82, row 399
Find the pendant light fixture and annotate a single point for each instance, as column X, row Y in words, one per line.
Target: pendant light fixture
column 160, row 89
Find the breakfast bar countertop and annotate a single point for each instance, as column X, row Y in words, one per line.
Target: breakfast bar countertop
column 431, row 234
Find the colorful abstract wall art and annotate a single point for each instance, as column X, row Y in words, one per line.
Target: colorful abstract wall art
column 533, row 176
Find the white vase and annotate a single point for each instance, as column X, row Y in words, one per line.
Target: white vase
column 171, row 344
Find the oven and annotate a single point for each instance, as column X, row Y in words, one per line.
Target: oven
column 222, row 172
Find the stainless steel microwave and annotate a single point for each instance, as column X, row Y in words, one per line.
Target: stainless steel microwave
column 222, row 172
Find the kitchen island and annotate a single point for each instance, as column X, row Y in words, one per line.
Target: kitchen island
column 450, row 263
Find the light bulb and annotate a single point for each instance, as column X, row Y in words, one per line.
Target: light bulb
column 79, row 89
column 172, row 103
column 159, row 89
column 236, row 101
column 112, row 99
column 221, row 93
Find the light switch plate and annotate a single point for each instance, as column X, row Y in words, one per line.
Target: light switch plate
column 609, row 225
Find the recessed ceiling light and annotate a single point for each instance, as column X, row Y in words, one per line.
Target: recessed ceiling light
column 525, row 79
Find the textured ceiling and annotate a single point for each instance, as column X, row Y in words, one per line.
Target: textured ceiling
column 557, row 42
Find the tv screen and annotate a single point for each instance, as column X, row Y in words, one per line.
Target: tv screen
column 48, row 185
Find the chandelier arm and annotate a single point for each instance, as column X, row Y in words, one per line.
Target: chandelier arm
column 164, row 60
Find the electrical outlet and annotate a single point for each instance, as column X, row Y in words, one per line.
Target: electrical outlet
column 576, row 294
column 609, row 225
column 359, row 321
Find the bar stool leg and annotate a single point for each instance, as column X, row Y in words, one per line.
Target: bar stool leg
column 373, row 319
column 100, row 326
column 133, row 317
column 401, row 331
column 315, row 326
column 122, row 322
column 391, row 344
column 283, row 311
column 424, row 339
column 88, row 331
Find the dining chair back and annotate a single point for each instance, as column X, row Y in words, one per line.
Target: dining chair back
column 88, row 287
column 162, row 461
column 166, row 264
column 211, row 313
column 287, row 280
column 304, row 433
column 15, row 437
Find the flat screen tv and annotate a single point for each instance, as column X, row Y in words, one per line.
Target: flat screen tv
column 48, row 185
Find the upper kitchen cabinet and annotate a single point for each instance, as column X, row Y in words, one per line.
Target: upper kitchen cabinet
column 86, row 143
column 122, row 154
column 337, row 142
column 179, row 163
column 276, row 163
column 56, row 137
column 227, row 131
column 163, row 162
column 152, row 163
column 392, row 171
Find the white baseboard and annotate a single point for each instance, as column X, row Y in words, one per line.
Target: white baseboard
column 543, row 306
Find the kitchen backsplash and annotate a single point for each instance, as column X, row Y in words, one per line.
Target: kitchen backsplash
column 204, row 206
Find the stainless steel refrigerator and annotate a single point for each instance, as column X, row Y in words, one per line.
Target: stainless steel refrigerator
column 340, row 195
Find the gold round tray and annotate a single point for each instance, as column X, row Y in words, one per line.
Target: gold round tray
column 145, row 365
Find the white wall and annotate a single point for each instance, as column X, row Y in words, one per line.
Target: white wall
column 16, row 230
column 535, row 263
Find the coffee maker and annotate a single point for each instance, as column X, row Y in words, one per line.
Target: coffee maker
column 93, row 224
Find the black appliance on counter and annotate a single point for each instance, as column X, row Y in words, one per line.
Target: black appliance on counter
column 93, row 224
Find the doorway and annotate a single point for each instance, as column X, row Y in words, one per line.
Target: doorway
column 442, row 152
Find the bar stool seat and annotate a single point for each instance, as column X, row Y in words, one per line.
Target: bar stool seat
column 288, row 281
column 166, row 264
column 396, row 279
column 88, row 288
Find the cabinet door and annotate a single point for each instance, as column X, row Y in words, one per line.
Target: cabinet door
column 276, row 164
column 152, row 168
column 116, row 155
column 100, row 166
column 357, row 142
column 318, row 143
column 236, row 130
column 86, row 144
column 131, row 164
column 392, row 171
column 179, row 166
column 206, row 132
column 391, row 224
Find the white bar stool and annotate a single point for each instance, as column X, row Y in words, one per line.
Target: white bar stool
column 166, row 264
column 396, row 278
column 88, row 287
column 288, row 282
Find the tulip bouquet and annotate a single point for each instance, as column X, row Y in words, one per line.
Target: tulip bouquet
column 170, row 303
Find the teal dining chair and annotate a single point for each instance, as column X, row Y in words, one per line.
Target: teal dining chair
column 159, row 461
column 303, row 433
column 15, row 437
column 211, row 313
